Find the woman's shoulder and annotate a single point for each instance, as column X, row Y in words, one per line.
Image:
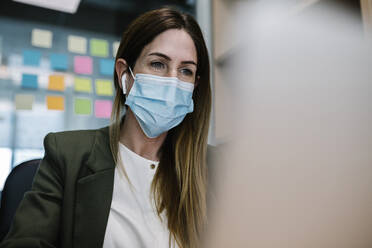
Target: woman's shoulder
column 77, row 140
column 79, row 136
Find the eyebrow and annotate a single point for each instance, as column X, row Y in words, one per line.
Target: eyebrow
column 169, row 59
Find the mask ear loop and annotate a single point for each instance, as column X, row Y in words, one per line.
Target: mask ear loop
column 131, row 72
column 123, row 80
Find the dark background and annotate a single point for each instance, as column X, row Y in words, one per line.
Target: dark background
column 103, row 16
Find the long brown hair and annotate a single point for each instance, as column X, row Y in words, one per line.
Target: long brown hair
column 179, row 185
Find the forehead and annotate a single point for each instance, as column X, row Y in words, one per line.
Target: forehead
column 175, row 43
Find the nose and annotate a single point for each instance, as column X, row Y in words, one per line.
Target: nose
column 172, row 73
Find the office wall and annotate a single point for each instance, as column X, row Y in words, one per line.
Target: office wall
column 29, row 89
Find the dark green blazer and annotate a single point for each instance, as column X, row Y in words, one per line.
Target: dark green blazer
column 69, row 203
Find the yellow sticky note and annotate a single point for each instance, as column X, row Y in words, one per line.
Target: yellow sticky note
column 56, row 82
column 77, row 44
column 55, row 102
column 115, row 48
column 104, row 87
column 41, row 38
column 83, row 84
column 99, row 47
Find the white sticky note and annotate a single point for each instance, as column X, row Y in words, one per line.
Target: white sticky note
column 24, row 101
column 115, row 47
column 41, row 38
column 77, row 44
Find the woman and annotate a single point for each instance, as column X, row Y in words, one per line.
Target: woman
column 141, row 182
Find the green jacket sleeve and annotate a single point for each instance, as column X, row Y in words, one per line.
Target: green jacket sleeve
column 37, row 219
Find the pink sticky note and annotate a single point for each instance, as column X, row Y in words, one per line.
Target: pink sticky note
column 103, row 108
column 83, row 65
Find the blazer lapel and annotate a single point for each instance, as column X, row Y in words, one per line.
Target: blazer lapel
column 94, row 195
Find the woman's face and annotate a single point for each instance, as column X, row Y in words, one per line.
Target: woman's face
column 171, row 54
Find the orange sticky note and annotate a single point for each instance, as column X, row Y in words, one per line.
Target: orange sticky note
column 55, row 103
column 56, row 82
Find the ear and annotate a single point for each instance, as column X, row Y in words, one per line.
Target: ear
column 121, row 67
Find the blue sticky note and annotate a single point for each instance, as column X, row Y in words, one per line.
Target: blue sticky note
column 58, row 61
column 29, row 81
column 107, row 66
column 31, row 57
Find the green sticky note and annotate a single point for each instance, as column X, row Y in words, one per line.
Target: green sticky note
column 83, row 106
column 104, row 87
column 99, row 47
column 83, row 84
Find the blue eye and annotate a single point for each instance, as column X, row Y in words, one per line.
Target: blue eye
column 186, row 72
column 157, row 65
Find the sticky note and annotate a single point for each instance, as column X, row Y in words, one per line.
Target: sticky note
column 83, row 65
column 83, row 84
column 115, row 48
column 56, row 82
column 24, row 101
column 55, row 102
column 83, row 106
column 106, row 66
column 58, row 61
column 103, row 108
column 41, row 38
column 104, row 87
column 99, row 47
column 31, row 57
column 77, row 44
column 29, row 81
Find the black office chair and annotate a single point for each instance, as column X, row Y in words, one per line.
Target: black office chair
column 17, row 183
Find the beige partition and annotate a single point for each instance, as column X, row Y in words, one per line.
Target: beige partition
column 221, row 21
column 222, row 15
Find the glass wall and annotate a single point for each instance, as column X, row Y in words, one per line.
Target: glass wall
column 56, row 71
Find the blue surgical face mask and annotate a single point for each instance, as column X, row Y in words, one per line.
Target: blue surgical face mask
column 159, row 103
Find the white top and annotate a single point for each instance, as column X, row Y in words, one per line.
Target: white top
column 133, row 221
